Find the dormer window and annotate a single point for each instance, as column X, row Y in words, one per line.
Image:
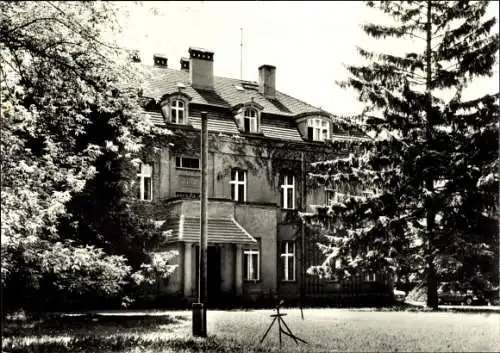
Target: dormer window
column 318, row 129
column 250, row 120
column 177, row 112
column 248, row 117
column 175, row 108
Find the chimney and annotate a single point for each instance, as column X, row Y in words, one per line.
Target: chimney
column 267, row 81
column 201, row 68
column 185, row 64
column 160, row 60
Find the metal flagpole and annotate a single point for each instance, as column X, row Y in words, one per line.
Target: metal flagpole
column 302, row 236
column 199, row 308
column 241, row 54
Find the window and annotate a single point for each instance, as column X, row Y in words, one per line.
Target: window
column 251, row 263
column 247, row 116
column 145, row 181
column 318, row 129
column 288, row 192
column 187, row 162
column 370, row 277
column 238, row 185
column 288, row 260
column 175, row 107
column 330, row 197
column 250, row 120
column 177, row 112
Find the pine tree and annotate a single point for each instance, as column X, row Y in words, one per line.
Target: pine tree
column 435, row 159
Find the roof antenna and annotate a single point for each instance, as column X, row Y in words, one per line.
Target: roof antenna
column 241, row 55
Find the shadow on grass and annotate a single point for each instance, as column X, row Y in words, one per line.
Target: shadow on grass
column 84, row 324
column 406, row 307
column 120, row 344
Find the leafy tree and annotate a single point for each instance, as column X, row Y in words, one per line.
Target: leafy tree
column 103, row 213
column 435, row 158
column 62, row 77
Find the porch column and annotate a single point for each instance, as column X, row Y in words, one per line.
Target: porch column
column 238, row 280
column 188, row 269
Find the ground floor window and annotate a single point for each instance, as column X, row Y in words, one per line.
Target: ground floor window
column 251, row 264
column 370, row 277
column 288, row 260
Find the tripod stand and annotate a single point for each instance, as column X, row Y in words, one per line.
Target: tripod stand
column 281, row 323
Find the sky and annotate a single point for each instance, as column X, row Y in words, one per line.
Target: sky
column 308, row 42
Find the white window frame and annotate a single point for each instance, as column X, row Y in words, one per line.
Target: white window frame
column 370, row 277
column 236, row 183
column 285, row 186
column 285, row 258
column 253, row 120
column 174, row 106
column 247, row 256
column 321, row 129
column 142, row 175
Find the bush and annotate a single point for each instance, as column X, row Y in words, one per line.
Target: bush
column 60, row 275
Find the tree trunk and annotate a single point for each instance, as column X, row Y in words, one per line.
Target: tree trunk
column 432, row 298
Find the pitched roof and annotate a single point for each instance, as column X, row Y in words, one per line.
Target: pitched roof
column 283, row 131
column 220, row 230
column 228, row 93
column 225, row 94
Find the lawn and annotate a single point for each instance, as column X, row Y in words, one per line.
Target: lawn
column 326, row 330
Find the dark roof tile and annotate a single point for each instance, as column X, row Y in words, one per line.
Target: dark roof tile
column 220, row 230
column 163, row 81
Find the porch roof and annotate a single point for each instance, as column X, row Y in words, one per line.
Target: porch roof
column 220, row 230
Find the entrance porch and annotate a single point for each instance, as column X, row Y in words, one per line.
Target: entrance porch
column 224, row 271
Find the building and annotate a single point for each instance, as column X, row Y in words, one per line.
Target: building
column 260, row 142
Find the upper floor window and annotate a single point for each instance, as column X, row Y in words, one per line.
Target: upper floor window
column 288, row 191
column 177, row 112
column 187, row 163
column 251, row 263
column 145, row 181
column 248, row 117
column 238, row 185
column 175, row 108
column 250, row 120
column 288, row 260
column 318, row 129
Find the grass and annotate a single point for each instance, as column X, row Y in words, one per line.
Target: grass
column 326, row 330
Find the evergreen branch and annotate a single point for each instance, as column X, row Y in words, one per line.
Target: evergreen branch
column 378, row 31
column 480, row 61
